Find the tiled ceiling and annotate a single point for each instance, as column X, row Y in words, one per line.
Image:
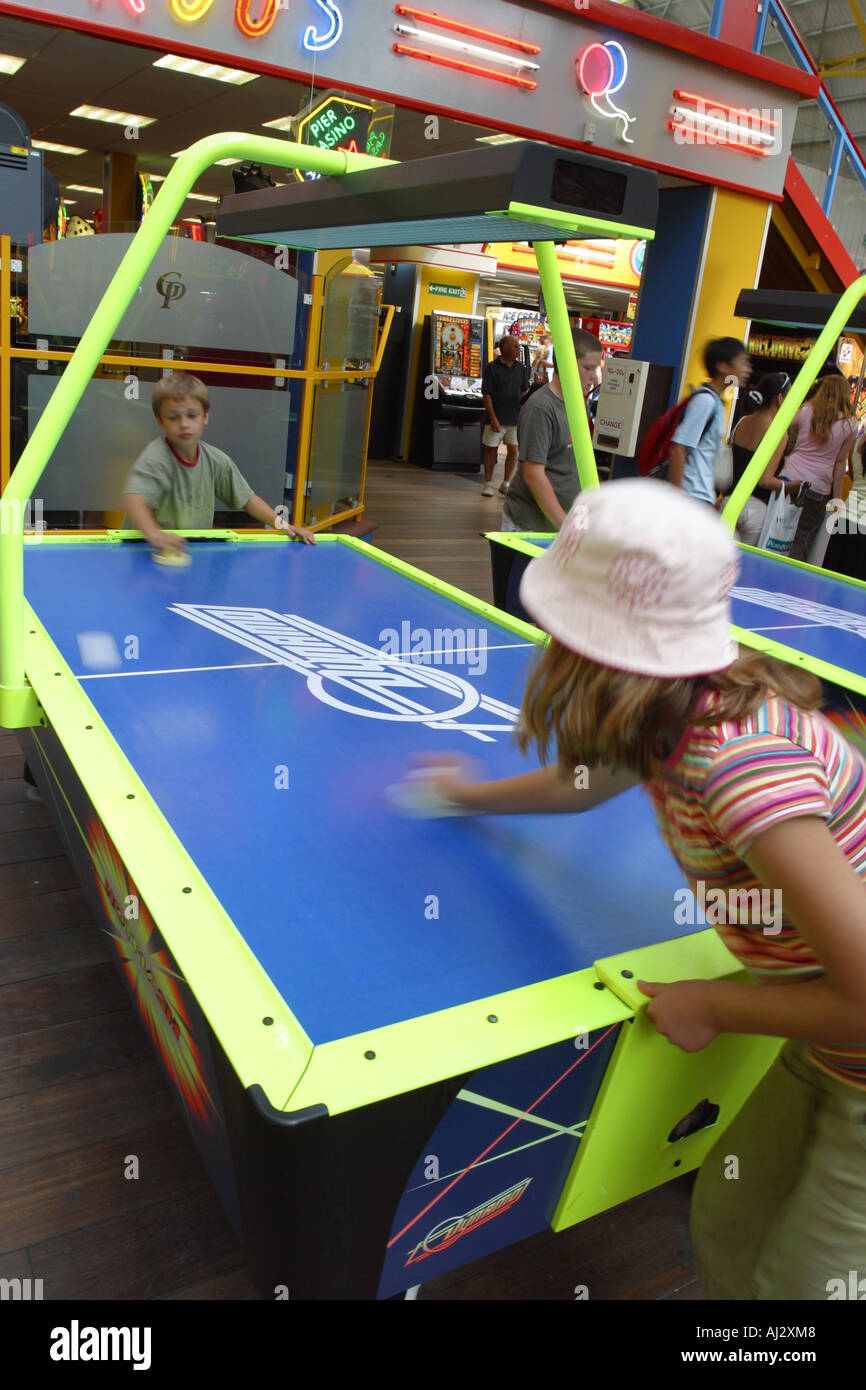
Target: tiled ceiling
column 65, row 69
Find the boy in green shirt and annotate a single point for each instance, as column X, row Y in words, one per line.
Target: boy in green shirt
column 175, row 481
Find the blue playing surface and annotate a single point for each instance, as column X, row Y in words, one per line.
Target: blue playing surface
column 360, row 916
column 808, row 610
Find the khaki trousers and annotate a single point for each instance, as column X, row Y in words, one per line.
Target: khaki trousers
column 795, row 1217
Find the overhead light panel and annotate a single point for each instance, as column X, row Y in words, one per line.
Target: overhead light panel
column 156, row 178
column 502, row 139
column 201, row 198
column 283, row 123
column 104, row 113
column 194, row 67
column 82, row 188
column 57, row 149
column 10, row 64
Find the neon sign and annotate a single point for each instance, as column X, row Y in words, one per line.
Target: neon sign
column 340, row 123
column 601, row 70
column 699, row 121
column 461, row 50
column 255, row 28
column 318, row 43
column 191, row 11
column 188, row 11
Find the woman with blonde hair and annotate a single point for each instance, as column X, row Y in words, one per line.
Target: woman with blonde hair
column 753, row 789
column 826, row 430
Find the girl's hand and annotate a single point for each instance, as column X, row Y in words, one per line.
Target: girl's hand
column 682, row 1012
column 447, row 773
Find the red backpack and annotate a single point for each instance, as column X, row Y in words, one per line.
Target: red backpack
column 655, row 450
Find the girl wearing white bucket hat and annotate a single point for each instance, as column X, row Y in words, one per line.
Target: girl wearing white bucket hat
column 753, row 789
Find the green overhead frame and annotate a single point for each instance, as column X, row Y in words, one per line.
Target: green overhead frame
column 818, row 355
column 18, row 704
column 18, row 708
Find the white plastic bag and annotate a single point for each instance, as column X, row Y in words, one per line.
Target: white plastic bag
column 780, row 525
column 723, row 473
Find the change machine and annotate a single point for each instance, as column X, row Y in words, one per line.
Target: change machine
column 633, row 394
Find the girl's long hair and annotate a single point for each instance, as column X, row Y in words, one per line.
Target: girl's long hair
column 831, row 402
column 592, row 714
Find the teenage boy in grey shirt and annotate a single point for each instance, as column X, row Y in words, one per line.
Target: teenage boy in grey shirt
column 546, row 483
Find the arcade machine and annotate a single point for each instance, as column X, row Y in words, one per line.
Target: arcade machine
column 613, row 336
column 449, row 411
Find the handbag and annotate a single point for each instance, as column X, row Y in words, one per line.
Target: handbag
column 780, row 525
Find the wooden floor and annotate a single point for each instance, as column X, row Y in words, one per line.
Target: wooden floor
column 80, row 1092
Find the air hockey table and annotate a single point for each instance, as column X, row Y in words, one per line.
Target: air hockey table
column 399, row 1044
column 809, row 617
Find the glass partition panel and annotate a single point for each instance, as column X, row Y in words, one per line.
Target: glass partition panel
column 108, row 431
column 848, row 210
column 350, row 318
column 194, row 293
column 337, row 453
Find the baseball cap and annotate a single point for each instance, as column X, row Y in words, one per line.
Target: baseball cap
column 638, row 579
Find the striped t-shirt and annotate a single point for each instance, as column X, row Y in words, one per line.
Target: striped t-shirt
column 724, row 786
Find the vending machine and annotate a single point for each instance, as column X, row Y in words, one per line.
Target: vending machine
column 449, row 411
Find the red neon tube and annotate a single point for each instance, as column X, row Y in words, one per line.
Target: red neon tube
column 524, row 82
column 255, row 28
column 460, row 28
column 731, row 110
column 711, row 139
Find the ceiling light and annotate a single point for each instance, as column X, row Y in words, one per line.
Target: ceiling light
column 10, row 64
column 502, row 139
column 103, row 113
column 283, row 123
column 195, row 68
column 156, row 178
column 82, row 188
column 57, row 149
column 201, row 198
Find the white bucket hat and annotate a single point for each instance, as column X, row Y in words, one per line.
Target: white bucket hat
column 638, row 579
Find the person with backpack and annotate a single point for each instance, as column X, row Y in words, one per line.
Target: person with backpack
column 688, row 438
column 826, row 431
column 762, row 405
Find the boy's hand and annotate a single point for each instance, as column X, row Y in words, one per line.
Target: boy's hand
column 167, row 540
column 299, row 533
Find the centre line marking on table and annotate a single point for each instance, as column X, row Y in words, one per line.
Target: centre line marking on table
column 178, row 670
